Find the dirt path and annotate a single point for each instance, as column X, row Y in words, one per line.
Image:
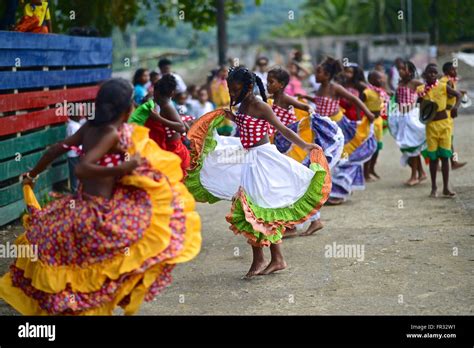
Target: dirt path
column 418, row 254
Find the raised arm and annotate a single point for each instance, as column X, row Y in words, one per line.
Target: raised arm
column 342, row 92
column 305, row 71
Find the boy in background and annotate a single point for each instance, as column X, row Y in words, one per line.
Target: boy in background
column 451, row 78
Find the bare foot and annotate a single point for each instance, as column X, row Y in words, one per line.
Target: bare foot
column 370, row 179
column 457, row 165
column 375, row 174
column 434, row 194
column 448, row 194
column 313, row 227
column 273, row 267
column 290, row 232
column 423, row 177
column 255, row 269
column 335, row 201
column 412, row 182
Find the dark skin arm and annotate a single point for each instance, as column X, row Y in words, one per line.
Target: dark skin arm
column 305, row 74
column 267, row 113
column 56, row 151
column 453, row 93
column 287, row 100
column 171, row 118
column 88, row 167
column 177, row 126
column 342, row 92
column 229, row 114
column 307, row 97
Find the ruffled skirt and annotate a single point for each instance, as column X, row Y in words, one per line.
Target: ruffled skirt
column 360, row 145
column 272, row 191
column 313, row 129
column 95, row 254
column 408, row 132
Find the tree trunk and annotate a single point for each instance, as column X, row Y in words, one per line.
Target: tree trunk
column 221, row 32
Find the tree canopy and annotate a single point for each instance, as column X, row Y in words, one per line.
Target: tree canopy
column 104, row 15
column 446, row 20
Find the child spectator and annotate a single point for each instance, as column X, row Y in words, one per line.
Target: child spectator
column 140, row 80
column 202, row 105
column 36, row 19
column 154, row 77
column 72, row 126
column 180, row 103
column 193, row 92
column 165, row 68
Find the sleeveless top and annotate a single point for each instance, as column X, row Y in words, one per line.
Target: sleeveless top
column 406, row 95
column 326, row 106
column 251, row 129
column 285, row 116
column 435, row 92
column 170, row 132
column 351, row 109
column 111, row 159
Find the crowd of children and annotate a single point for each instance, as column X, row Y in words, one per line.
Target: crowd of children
column 155, row 147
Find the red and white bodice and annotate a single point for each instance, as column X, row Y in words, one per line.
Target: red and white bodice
column 111, row 159
column 353, row 91
column 170, row 132
column 286, row 116
column 406, row 95
column 251, row 129
column 326, row 106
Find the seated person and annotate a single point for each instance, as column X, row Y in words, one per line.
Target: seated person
column 36, row 19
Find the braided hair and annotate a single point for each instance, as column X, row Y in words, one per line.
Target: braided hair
column 247, row 79
column 115, row 97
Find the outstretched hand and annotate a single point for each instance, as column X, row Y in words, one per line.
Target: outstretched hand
column 310, row 147
column 27, row 181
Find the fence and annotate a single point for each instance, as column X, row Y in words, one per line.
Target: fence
column 38, row 75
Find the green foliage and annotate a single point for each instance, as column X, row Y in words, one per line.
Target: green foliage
column 107, row 14
column 103, row 15
column 446, row 20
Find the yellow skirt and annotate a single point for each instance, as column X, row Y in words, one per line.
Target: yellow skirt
column 94, row 254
